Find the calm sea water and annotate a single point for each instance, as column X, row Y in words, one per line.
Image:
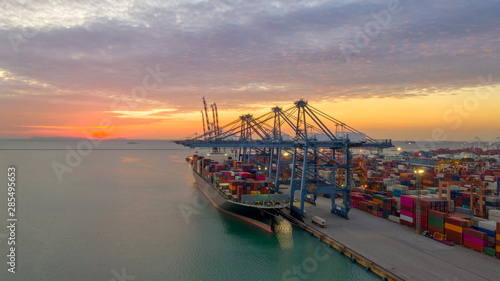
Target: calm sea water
column 126, row 212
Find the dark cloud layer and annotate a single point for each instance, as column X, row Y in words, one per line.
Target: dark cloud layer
column 232, row 50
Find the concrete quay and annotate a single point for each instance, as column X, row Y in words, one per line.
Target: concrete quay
column 394, row 251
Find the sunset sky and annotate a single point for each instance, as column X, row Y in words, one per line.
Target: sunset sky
column 392, row 69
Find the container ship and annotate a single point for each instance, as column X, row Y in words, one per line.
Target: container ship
column 237, row 189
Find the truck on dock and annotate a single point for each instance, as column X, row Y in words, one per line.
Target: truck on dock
column 319, row 221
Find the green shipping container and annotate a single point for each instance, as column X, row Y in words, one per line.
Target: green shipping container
column 437, row 222
column 489, row 251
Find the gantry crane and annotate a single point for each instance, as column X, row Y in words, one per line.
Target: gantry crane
column 316, row 141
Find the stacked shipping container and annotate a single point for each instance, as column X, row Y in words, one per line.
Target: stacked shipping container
column 454, row 229
column 240, row 178
column 498, row 240
column 407, row 212
column 475, row 239
column 436, row 222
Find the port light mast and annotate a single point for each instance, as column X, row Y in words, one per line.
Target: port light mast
column 419, row 173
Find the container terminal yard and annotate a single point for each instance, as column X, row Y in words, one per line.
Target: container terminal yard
column 426, row 215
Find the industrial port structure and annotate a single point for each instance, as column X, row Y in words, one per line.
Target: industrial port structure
column 300, row 146
column 451, row 194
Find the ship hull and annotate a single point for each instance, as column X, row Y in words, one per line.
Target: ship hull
column 251, row 214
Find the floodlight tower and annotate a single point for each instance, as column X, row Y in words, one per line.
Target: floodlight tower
column 418, row 173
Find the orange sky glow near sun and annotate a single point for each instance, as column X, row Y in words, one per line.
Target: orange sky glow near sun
column 412, row 118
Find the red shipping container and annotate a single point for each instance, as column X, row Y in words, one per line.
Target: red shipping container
column 475, row 240
column 460, row 216
column 363, row 206
column 387, row 206
column 263, row 190
column 434, row 229
column 437, row 214
column 454, row 236
column 423, row 222
column 407, row 209
column 475, row 233
column 239, row 192
column 455, row 221
column 409, row 224
column 389, row 193
column 476, row 247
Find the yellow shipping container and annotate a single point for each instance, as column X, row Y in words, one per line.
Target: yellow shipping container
column 498, row 249
column 378, row 201
column 454, row 227
column 498, row 237
column 375, row 212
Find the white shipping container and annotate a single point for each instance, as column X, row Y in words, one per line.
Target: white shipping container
column 406, row 218
column 321, row 137
column 494, row 213
column 489, row 178
column 393, row 218
column 400, row 187
column 476, row 220
column 491, row 185
column 492, row 199
column 398, row 203
column 492, row 218
column 489, row 225
column 353, row 137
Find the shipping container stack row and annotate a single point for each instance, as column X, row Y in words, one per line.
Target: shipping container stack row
column 454, row 229
column 436, row 222
column 491, row 203
column 408, row 211
column 477, row 240
column 498, row 240
column 401, row 182
column 435, row 218
column 462, row 199
column 240, row 178
column 428, row 204
column 484, row 238
column 376, row 204
column 489, row 229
